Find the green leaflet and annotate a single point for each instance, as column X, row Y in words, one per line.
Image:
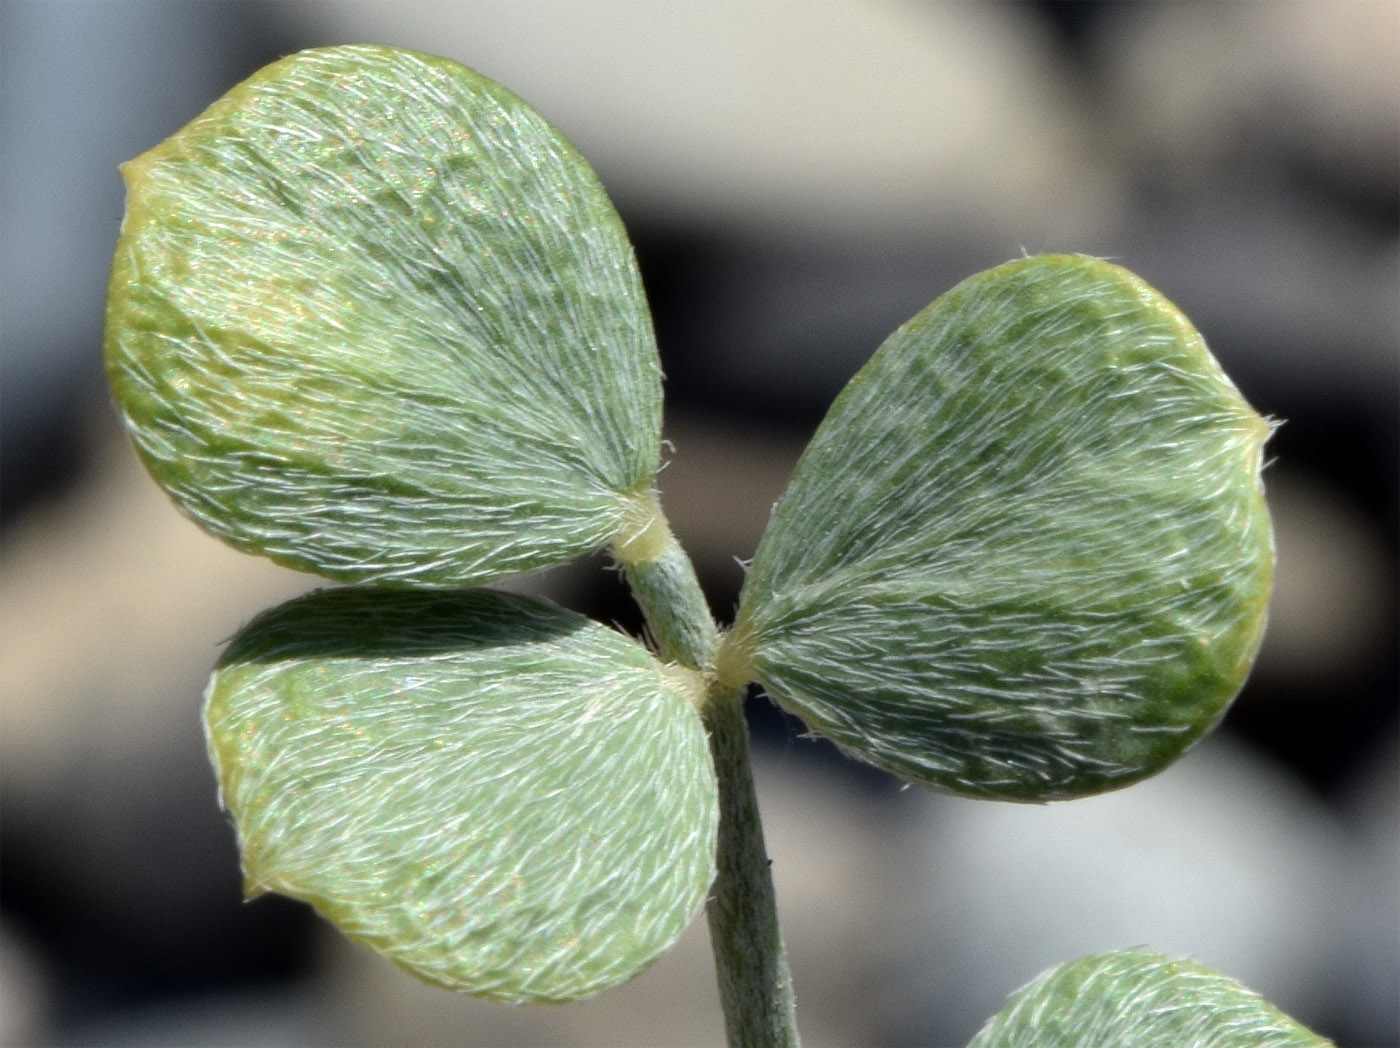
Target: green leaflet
column 500, row 796
column 371, row 316
column 1135, row 999
column 1026, row 554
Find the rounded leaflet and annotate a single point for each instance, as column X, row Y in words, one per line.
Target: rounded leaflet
column 1026, row 555
column 1143, row 999
column 499, row 795
column 371, row 316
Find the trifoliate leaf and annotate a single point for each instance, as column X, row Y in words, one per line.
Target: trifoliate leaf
column 498, row 795
column 1136, row 999
column 1026, row 554
column 371, row 316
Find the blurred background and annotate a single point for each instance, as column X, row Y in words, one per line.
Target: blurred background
column 799, row 179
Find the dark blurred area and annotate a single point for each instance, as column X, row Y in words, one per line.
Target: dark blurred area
column 799, row 180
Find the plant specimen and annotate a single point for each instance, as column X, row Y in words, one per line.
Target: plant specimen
column 372, row 317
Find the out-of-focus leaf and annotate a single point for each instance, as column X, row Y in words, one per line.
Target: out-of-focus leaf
column 1136, row 999
column 1026, row 554
column 498, row 795
column 371, row 316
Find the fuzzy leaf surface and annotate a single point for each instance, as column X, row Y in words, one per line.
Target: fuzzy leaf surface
column 1026, row 554
column 371, row 316
column 1136, row 999
column 499, row 795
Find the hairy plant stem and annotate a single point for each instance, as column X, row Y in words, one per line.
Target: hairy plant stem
column 755, row 987
column 750, row 960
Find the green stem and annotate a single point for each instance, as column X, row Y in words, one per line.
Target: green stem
column 677, row 615
column 750, row 960
column 755, row 987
